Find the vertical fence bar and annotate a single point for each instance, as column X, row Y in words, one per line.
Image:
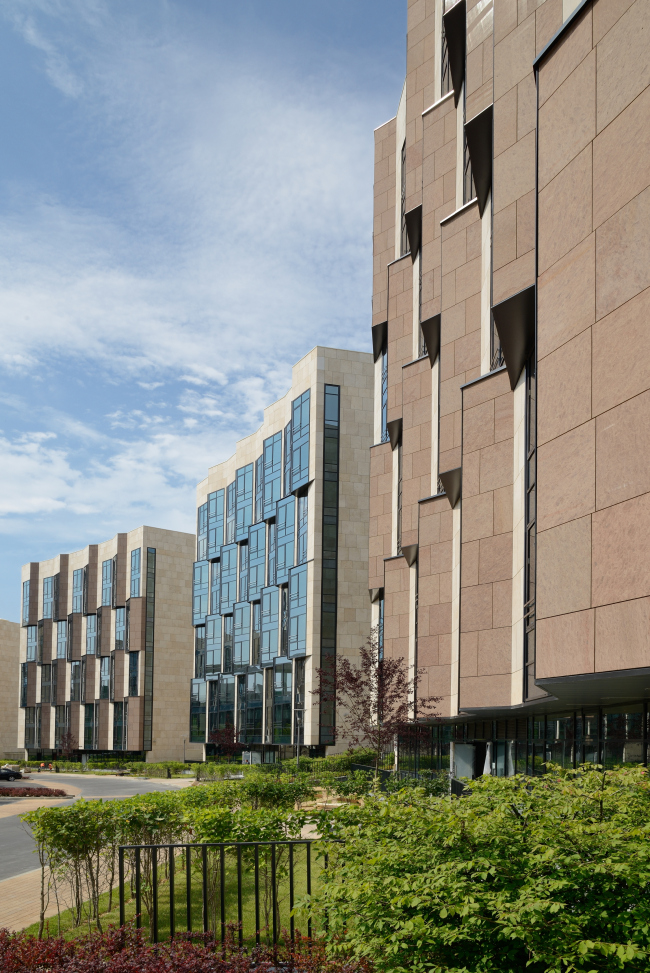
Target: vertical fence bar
column 138, row 891
column 309, row 887
column 257, row 893
column 327, row 922
column 222, row 878
column 120, row 865
column 274, row 895
column 188, row 886
column 204, row 863
column 240, row 914
column 154, row 882
column 291, row 919
column 172, row 917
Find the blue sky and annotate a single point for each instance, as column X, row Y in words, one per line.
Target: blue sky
column 185, row 210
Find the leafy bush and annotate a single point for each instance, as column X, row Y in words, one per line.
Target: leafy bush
column 125, row 951
column 544, row 874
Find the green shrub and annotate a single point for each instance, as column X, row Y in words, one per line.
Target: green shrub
column 545, row 874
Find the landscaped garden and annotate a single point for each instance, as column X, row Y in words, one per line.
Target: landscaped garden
column 544, row 874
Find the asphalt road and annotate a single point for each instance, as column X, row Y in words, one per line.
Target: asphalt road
column 16, row 843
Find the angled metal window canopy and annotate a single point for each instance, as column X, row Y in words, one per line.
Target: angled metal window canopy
column 478, row 133
column 451, row 482
column 431, row 333
column 413, row 220
column 455, row 19
column 379, row 335
column 515, row 322
column 376, row 594
column 394, row 429
column 410, row 553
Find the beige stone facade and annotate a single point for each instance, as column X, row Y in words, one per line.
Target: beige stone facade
column 105, row 642
column 9, row 652
column 267, row 534
column 512, row 365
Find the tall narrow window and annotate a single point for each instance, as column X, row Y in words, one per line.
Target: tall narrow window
column 213, row 646
column 257, row 560
column 231, row 512
column 446, row 82
column 199, row 652
column 202, row 532
column 404, row 244
column 227, row 643
column 32, row 642
column 30, row 727
column 82, row 680
column 104, row 677
column 242, row 637
column 244, row 488
column 380, row 630
column 284, row 621
column 287, row 460
column 107, row 582
column 60, row 725
column 91, row 634
column 149, row 648
column 272, row 456
column 118, row 726
column 384, row 393
column 86, row 584
column 61, row 640
column 23, row 683
column 399, row 498
column 469, row 192
column 77, row 591
column 530, row 689
column 135, row 573
column 496, row 352
column 134, row 658
column 303, row 524
column 75, row 682
column 215, row 587
column 40, row 642
column 256, row 630
column 55, row 682
column 270, row 620
column 25, row 602
column 89, row 726
column 46, row 683
column 259, row 489
column 200, row 591
column 282, row 703
column 272, row 557
column 300, row 410
column 112, row 678
column 228, row 578
column 298, row 611
column 299, row 703
column 215, row 522
column 48, row 597
column 243, row 572
column 286, row 539
column 120, row 628
column 327, row 713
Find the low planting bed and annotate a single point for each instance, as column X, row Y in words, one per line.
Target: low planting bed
column 32, row 792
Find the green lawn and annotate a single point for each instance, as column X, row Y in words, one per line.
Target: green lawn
column 214, row 901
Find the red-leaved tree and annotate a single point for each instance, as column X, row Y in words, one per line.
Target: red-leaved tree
column 376, row 699
column 68, row 744
column 226, row 742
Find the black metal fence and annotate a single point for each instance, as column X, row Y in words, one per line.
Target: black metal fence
column 217, row 887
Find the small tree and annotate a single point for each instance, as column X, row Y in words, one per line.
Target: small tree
column 226, row 742
column 376, row 698
column 68, row 744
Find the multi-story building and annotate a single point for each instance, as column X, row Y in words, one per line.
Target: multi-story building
column 105, row 643
column 510, row 480
column 279, row 585
column 9, row 652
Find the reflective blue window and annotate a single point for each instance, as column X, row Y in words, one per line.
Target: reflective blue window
column 77, row 591
column 282, row 703
column 259, row 489
column 300, row 441
column 287, row 460
column 197, row 711
column 61, row 640
column 243, row 572
column 298, row 611
column 133, row 673
column 256, row 632
column 215, row 522
column 242, row 637
column 286, row 539
column 273, row 550
column 120, row 628
column 202, row 533
column 231, row 512
column 272, row 456
column 104, row 676
column 199, row 652
column 135, row 573
column 75, row 682
column 200, row 591
column 107, row 582
column 213, row 645
column 221, row 706
column 215, row 587
column 32, row 641
column 303, row 518
column 91, row 634
column 48, row 597
column 25, row 602
column 270, row 626
column 251, row 694
column 228, row 624
column 89, row 726
column 256, row 560
column 244, row 485
column 228, row 578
